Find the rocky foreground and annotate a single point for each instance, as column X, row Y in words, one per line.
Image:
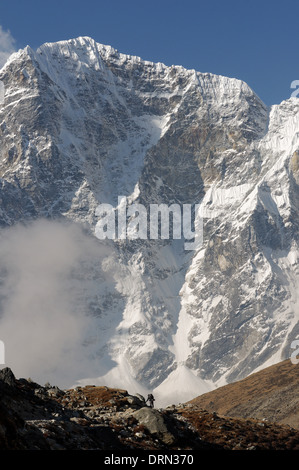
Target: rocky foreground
column 35, row 417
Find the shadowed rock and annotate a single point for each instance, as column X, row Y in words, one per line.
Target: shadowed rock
column 154, row 422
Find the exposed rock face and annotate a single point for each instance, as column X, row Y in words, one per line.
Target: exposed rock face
column 82, row 125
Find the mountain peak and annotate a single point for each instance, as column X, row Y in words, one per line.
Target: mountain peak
column 82, row 125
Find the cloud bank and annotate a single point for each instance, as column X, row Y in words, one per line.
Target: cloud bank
column 48, row 273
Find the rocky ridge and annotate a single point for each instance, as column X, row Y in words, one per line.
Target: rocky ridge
column 271, row 393
column 35, row 417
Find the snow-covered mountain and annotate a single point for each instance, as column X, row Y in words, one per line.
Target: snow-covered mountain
column 83, row 124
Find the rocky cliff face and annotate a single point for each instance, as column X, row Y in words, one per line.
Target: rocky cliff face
column 82, row 125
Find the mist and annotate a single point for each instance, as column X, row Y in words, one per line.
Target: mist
column 48, row 271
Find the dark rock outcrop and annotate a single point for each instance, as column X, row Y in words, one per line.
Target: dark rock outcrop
column 102, row 418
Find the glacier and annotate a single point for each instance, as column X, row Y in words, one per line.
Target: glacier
column 82, row 124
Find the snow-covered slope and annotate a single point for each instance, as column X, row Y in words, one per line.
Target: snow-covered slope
column 83, row 124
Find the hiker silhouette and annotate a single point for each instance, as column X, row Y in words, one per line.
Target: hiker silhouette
column 150, row 399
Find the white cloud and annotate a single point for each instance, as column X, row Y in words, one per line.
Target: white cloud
column 50, row 274
column 7, row 45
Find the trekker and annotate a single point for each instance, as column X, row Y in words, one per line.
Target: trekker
column 150, row 399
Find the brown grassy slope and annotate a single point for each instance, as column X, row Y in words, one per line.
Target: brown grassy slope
column 272, row 394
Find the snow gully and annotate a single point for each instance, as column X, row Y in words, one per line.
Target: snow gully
column 134, row 222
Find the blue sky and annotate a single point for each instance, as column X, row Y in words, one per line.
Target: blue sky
column 255, row 41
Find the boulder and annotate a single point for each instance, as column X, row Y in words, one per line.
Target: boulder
column 7, row 376
column 154, row 423
column 135, row 402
